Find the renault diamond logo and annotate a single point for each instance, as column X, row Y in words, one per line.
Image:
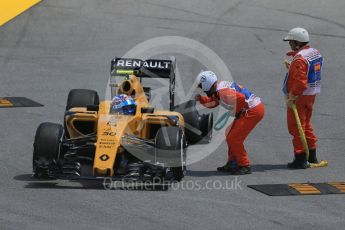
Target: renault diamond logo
column 104, row 157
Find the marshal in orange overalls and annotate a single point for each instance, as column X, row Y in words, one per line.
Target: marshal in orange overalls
column 303, row 80
column 248, row 111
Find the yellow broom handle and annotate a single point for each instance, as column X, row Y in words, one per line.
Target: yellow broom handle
column 300, row 130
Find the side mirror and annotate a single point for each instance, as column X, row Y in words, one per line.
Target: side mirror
column 92, row 108
column 147, row 110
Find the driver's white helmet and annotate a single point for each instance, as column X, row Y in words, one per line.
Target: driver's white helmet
column 206, row 79
column 297, row 34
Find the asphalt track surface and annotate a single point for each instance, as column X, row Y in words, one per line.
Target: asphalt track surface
column 60, row 45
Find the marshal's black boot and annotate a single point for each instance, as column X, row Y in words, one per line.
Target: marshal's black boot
column 300, row 162
column 242, row 170
column 312, row 156
column 230, row 166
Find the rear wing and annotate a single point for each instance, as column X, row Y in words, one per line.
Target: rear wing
column 151, row 68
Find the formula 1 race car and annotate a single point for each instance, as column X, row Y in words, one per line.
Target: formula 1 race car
column 98, row 141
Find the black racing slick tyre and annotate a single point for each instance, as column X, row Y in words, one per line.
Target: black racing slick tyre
column 207, row 127
column 81, row 98
column 198, row 127
column 170, row 150
column 47, row 144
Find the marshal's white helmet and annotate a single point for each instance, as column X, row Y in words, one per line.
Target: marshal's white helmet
column 297, row 34
column 206, row 79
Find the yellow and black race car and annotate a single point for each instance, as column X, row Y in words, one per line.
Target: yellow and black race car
column 132, row 142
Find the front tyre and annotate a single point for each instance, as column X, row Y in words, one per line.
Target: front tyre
column 46, row 147
column 170, row 150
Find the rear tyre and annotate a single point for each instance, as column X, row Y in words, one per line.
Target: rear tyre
column 82, row 98
column 207, row 127
column 170, row 150
column 198, row 126
column 46, row 146
column 191, row 120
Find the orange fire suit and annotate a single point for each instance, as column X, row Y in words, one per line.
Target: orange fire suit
column 301, row 81
column 247, row 116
